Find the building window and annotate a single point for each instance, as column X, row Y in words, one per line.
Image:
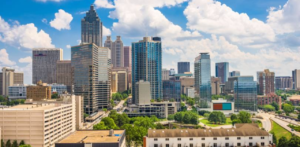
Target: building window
column 262, row 137
column 250, row 144
column 155, row 139
column 227, row 144
column 155, row 145
column 215, row 138
column 202, row 138
column 167, row 145
column 203, row 145
column 226, row 138
column 262, row 144
column 191, row 145
column 191, row 138
column 167, row 139
column 239, row 144
column 250, row 137
column 179, row 145
column 179, row 139
column 215, row 145
column 238, row 138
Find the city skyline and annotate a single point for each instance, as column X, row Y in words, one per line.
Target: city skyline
column 248, row 56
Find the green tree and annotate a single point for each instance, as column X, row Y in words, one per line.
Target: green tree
column 2, row 99
column 124, row 95
column 217, row 117
column 2, row 143
column 158, row 99
column 152, row 100
column 26, row 145
column 172, row 100
column 100, row 126
column 8, row 143
column 85, row 115
column 179, row 117
column 275, row 105
column 206, row 115
column 244, row 117
column 123, row 119
column 171, row 117
column 104, row 109
column 294, row 141
column 283, row 142
column 186, row 118
column 106, row 124
column 15, row 143
column 194, row 119
column 269, row 108
column 287, row 108
column 22, row 142
column 274, row 138
column 233, row 117
column 54, row 96
column 299, row 116
column 159, row 126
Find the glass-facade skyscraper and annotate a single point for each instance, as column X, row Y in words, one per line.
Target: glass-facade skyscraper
column 203, row 79
column 222, row 71
column 183, row 67
column 172, row 89
column 245, row 93
column 235, row 73
column 91, row 28
column 147, row 65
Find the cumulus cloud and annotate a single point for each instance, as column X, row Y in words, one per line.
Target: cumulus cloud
column 68, row 46
column 25, row 36
column 285, row 19
column 106, row 31
column 103, row 4
column 26, row 60
column 212, row 17
column 62, row 20
column 5, row 61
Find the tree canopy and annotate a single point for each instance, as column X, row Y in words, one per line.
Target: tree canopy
column 244, row 117
column 217, row 117
column 287, row 108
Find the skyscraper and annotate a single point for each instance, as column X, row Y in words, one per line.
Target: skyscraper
column 283, row 82
column 64, row 74
column 91, row 28
column 245, row 93
column 266, row 82
column 44, row 64
column 296, row 79
column 222, row 71
column 8, row 78
column 127, row 57
column 202, row 79
column 215, row 86
column 235, row 73
column 117, row 51
column 183, row 67
column 84, row 61
column 147, row 65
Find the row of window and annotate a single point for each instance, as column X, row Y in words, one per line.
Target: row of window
column 226, row 138
column 214, row 145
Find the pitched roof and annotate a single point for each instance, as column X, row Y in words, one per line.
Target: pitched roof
column 240, row 130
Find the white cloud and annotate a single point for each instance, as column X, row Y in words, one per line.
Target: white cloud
column 5, row 61
column 49, row 0
column 212, row 17
column 103, row 4
column 44, row 20
column 62, row 20
column 78, row 41
column 26, row 36
column 106, row 31
column 26, row 60
column 83, row 12
column 68, row 46
column 285, row 19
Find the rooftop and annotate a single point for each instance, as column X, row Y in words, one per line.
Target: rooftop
column 294, row 97
column 240, row 130
column 34, row 106
column 93, row 136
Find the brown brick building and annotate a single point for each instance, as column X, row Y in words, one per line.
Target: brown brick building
column 268, row 99
column 39, row 92
column 266, row 82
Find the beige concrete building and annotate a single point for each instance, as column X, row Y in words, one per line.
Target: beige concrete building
column 165, row 74
column 40, row 124
column 215, row 86
column 186, row 82
column 64, row 74
column 119, row 79
column 296, row 79
column 8, row 78
column 39, row 92
column 117, row 51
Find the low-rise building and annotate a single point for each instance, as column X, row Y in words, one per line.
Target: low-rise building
column 17, row 91
column 239, row 135
column 40, row 123
column 94, row 138
column 58, row 88
column 295, row 99
column 222, row 105
column 269, row 99
column 190, row 92
column 40, row 91
column 171, row 90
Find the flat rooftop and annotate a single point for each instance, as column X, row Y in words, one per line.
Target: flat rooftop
column 295, row 97
column 43, row 106
column 93, row 136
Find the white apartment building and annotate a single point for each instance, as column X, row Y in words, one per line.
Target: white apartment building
column 17, row 91
column 40, row 124
column 241, row 135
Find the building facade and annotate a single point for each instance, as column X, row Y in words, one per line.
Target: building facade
column 296, row 79
column 186, row 82
column 222, row 71
column 245, row 93
column 117, row 51
column 240, row 135
column 165, row 74
column 283, row 83
column 269, row 99
column 17, row 91
column 127, row 57
column 38, row 92
column 44, row 64
column 235, row 73
column 190, row 92
column 84, row 62
column 64, row 74
column 8, row 78
column 183, row 67
column 203, row 79
column 172, row 90
column 142, row 93
column 147, row 65
column 58, row 88
column 91, row 28
column 266, row 82
column 119, row 80
column 215, row 86
column 172, row 72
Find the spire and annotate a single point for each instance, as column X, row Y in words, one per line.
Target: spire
column 92, row 7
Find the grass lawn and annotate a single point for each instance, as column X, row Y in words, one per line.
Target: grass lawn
column 207, row 123
column 280, row 131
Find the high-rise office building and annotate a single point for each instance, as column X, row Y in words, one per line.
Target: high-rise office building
column 84, row 62
column 245, row 93
column 215, row 86
column 165, row 74
column 266, row 82
column 222, row 71
column 147, row 65
column 235, row 73
column 8, row 78
column 172, row 72
column 44, row 64
column 127, row 57
column 171, row 90
column 64, row 74
column 296, row 79
column 285, row 82
column 203, row 79
column 91, row 28
column 117, row 51
column 183, row 67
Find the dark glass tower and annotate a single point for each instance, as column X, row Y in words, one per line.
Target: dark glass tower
column 222, row 71
column 203, row 80
column 147, row 65
column 183, row 67
column 91, row 28
column 245, row 93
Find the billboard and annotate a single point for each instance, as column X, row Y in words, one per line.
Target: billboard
column 222, row 106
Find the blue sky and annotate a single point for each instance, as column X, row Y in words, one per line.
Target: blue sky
column 251, row 35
